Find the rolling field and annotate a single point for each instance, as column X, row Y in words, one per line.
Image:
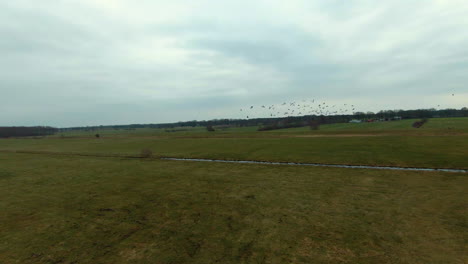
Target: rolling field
column 62, row 208
column 433, row 147
column 416, row 151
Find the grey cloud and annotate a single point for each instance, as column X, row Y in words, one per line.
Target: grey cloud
column 85, row 62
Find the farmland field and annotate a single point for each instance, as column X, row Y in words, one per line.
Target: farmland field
column 59, row 207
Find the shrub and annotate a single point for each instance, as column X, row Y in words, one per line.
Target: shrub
column 146, row 153
column 419, row 124
column 210, row 128
column 314, row 124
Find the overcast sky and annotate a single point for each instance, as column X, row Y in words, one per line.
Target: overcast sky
column 92, row 62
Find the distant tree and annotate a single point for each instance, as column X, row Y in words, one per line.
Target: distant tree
column 26, row 131
column 325, row 120
column 419, row 124
column 359, row 115
column 146, row 153
column 210, row 128
column 97, row 136
column 314, row 124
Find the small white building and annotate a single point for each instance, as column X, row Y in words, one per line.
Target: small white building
column 355, row 121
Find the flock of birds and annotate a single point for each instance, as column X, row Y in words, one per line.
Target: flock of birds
column 299, row 108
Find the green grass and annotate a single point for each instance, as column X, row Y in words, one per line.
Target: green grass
column 169, row 132
column 433, row 126
column 407, row 151
column 59, row 208
column 67, row 209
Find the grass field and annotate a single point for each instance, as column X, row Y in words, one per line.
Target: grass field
column 102, row 210
column 62, row 208
column 435, row 125
column 433, row 151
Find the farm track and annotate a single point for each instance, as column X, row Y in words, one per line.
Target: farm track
column 345, row 166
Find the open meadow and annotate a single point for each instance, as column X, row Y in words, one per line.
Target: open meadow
column 233, row 132
column 76, row 198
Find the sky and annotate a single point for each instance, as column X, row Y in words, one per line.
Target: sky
column 102, row 62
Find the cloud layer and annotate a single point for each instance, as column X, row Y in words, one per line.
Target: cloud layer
column 91, row 62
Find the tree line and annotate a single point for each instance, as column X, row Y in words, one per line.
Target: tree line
column 294, row 120
column 264, row 123
column 6, row 132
